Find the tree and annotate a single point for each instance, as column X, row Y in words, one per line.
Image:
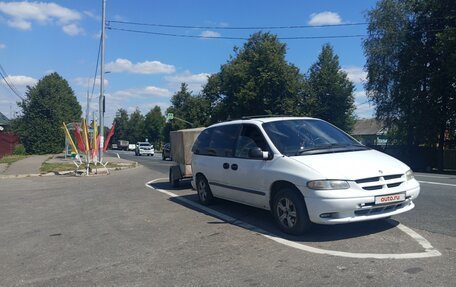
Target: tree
column 331, row 92
column 121, row 128
column 47, row 105
column 189, row 110
column 256, row 81
column 154, row 123
column 411, row 61
column 135, row 131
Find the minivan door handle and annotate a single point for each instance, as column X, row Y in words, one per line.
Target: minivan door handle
column 226, row 165
column 234, row 166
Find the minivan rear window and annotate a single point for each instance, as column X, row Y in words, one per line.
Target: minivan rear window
column 217, row 141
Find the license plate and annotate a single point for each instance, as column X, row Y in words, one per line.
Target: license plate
column 389, row 198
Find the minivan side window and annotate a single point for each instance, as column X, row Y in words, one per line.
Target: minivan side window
column 217, row 141
column 250, row 137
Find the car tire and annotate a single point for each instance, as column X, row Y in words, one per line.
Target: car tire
column 290, row 212
column 204, row 191
column 174, row 182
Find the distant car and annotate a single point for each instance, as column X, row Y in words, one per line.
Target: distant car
column 144, row 148
column 114, row 146
column 131, row 146
column 166, row 153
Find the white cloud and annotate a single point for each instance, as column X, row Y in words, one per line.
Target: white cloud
column 21, row 81
column 119, row 18
column 20, row 24
column 149, row 91
column 2, row 46
column 210, row 34
column 73, row 30
column 324, row 18
column 147, row 67
column 195, row 82
column 92, row 15
column 356, row 74
column 88, row 82
column 360, row 96
column 23, row 13
column 365, row 110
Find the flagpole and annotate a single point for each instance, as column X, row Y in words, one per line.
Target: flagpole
column 101, row 105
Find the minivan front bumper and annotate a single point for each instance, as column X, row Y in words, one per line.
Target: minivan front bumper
column 325, row 210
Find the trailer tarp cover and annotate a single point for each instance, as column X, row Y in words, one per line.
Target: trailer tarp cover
column 181, row 148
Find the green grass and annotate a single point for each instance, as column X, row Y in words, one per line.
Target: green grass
column 9, row 159
column 50, row 167
column 54, row 167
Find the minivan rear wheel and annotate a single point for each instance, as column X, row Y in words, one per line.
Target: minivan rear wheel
column 204, row 191
column 290, row 212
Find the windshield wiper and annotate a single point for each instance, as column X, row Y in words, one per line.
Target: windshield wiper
column 332, row 146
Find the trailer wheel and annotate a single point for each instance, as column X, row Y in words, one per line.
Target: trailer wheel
column 174, row 182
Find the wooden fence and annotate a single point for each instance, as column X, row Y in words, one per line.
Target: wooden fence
column 7, row 143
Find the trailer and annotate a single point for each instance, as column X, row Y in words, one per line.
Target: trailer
column 181, row 153
column 122, row 144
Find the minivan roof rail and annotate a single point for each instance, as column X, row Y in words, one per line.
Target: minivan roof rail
column 263, row 116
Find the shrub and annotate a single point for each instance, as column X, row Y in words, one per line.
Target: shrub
column 19, row 150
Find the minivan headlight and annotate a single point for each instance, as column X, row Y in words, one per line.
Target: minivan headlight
column 328, row 184
column 409, row 175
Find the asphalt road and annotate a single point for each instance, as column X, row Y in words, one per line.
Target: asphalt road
column 117, row 230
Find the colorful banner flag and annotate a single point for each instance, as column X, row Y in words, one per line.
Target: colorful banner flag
column 108, row 136
column 95, row 141
column 70, row 140
column 78, row 136
column 85, row 135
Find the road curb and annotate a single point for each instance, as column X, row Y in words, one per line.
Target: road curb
column 70, row 172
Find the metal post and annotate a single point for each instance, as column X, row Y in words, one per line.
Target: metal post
column 101, row 102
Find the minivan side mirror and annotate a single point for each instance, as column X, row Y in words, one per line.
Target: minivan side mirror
column 257, row 153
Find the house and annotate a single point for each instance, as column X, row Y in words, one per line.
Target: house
column 4, row 122
column 370, row 132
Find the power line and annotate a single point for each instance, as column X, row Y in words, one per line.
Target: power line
column 96, row 69
column 233, row 38
column 4, row 76
column 237, row 28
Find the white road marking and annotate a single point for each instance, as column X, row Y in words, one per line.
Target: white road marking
column 437, row 183
column 429, row 250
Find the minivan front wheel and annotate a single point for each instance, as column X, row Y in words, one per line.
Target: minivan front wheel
column 204, row 191
column 290, row 212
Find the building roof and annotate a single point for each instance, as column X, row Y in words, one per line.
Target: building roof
column 369, row 127
column 4, row 121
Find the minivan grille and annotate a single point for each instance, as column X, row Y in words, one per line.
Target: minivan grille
column 381, row 209
column 381, row 182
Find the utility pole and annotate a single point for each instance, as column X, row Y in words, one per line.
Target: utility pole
column 101, row 104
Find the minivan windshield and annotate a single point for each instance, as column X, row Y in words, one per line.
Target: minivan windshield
column 309, row 136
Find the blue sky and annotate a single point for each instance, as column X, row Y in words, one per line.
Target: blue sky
column 37, row 38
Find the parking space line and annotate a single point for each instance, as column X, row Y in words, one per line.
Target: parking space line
column 429, row 250
column 437, row 183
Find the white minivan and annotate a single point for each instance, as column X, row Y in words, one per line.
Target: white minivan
column 304, row 170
